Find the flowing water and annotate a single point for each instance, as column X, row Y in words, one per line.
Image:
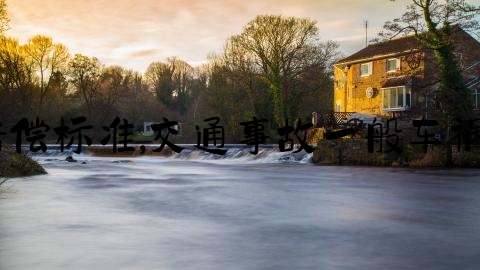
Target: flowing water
column 270, row 211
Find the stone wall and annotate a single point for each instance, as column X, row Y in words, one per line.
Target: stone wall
column 352, row 152
column 355, row 152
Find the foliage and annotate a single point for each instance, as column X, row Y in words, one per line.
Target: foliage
column 236, row 93
column 4, row 20
column 84, row 74
column 280, row 50
column 174, row 82
column 275, row 69
column 15, row 165
column 49, row 60
column 16, row 80
column 433, row 158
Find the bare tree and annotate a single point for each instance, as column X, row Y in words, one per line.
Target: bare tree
column 48, row 58
column 432, row 22
column 84, row 74
column 281, row 49
column 16, row 80
column 173, row 83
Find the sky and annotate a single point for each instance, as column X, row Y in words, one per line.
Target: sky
column 135, row 33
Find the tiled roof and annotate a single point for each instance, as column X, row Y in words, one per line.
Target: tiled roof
column 394, row 46
column 384, row 48
column 398, row 81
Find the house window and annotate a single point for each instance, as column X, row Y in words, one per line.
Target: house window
column 338, row 107
column 393, row 65
column 396, row 98
column 366, row 69
column 476, row 98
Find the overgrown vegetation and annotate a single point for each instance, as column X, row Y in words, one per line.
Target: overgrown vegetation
column 13, row 164
column 433, row 22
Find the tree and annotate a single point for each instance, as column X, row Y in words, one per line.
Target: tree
column 58, row 88
column 244, row 77
column 234, row 91
column 118, row 91
column 49, row 58
column 431, row 21
column 84, row 73
column 111, row 85
column 316, row 81
column 16, row 80
column 173, row 83
column 137, row 102
column 281, row 49
column 4, row 20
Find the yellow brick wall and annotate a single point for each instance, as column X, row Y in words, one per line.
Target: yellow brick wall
column 352, row 94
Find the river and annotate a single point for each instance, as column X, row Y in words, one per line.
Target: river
column 188, row 212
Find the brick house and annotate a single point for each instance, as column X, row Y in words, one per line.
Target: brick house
column 397, row 78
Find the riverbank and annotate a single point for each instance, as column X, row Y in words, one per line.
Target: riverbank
column 355, row 152
column 13, row 164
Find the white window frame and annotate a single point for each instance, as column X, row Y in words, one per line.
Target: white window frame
column 397, row 65
column 404, row 90
column 370, row 69
column 476, row 98
column 338, row 106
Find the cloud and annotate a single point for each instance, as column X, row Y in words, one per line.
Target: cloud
column 117, row 30
column 143, row 53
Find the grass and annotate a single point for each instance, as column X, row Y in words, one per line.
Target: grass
column 13, row 164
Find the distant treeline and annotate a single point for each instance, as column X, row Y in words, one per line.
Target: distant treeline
column 276, row 68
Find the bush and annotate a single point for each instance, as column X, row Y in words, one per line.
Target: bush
column 433, row 158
